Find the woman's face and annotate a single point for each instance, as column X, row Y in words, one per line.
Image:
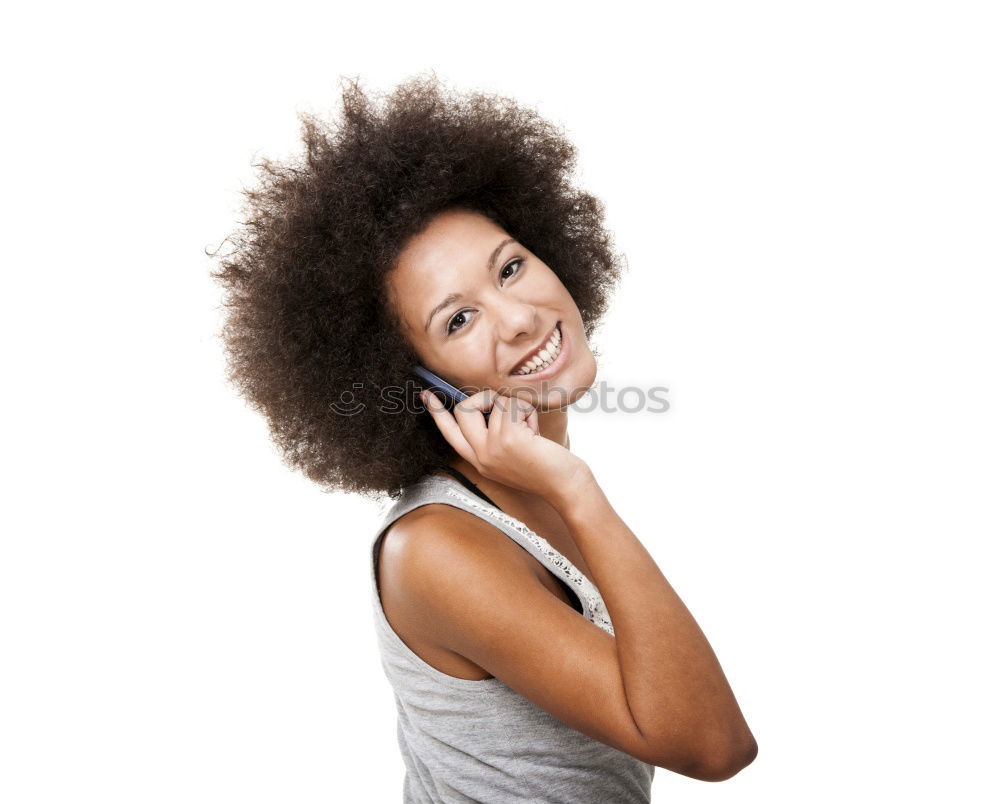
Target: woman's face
column 476, row 305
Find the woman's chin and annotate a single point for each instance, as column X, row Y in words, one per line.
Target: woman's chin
column 559, row 391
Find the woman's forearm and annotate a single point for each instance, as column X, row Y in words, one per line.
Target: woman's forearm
column 679, row 697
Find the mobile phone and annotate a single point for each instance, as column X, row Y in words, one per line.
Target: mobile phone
column 441, row 388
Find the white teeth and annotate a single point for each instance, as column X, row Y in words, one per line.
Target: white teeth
column 545, row 356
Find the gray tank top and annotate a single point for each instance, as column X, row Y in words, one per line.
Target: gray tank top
column 468, row 740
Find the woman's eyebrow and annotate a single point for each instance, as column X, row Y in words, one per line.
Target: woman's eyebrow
column 452, row 297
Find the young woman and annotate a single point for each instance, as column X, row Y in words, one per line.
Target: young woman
column 535, row 650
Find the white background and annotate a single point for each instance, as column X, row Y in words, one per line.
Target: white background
column 808, row 198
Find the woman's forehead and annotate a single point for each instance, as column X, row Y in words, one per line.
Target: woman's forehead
column 446, row 256
column 454, row 237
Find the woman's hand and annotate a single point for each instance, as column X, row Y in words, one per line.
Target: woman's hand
column 510, row 449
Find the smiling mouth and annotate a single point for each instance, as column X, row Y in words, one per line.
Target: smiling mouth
column 544, row 357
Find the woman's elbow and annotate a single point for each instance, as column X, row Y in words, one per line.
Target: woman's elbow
column 722, row 764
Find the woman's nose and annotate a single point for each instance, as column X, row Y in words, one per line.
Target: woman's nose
column 516, row 318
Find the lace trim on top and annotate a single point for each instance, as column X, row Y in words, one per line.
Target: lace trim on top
column 598, row 613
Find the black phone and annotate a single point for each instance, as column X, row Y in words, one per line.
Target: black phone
column 442, row 388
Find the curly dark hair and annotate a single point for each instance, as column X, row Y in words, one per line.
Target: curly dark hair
column 307, row 319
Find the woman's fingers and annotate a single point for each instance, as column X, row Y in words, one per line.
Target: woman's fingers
column 521, row 413
column 469, row 415
column 497, row 415
column 464, row 427
column 470, row 435
column 532, row 420
column 476, row 405
column 449, row 427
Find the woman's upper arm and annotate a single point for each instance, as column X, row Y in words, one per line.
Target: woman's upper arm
column 479, row 598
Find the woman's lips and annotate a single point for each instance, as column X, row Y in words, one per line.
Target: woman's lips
column 535, row 353
column 555, row 366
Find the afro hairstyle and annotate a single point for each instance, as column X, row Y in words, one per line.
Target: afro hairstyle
column 310, row 340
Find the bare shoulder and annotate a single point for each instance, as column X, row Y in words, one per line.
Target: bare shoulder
column 434, row 533
column 413, row 553
column 438, row 540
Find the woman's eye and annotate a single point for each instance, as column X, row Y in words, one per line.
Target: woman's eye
column 518, row 262
column 464, row 313
column 454, row 319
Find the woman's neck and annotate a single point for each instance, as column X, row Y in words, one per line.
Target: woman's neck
column 554, row 425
